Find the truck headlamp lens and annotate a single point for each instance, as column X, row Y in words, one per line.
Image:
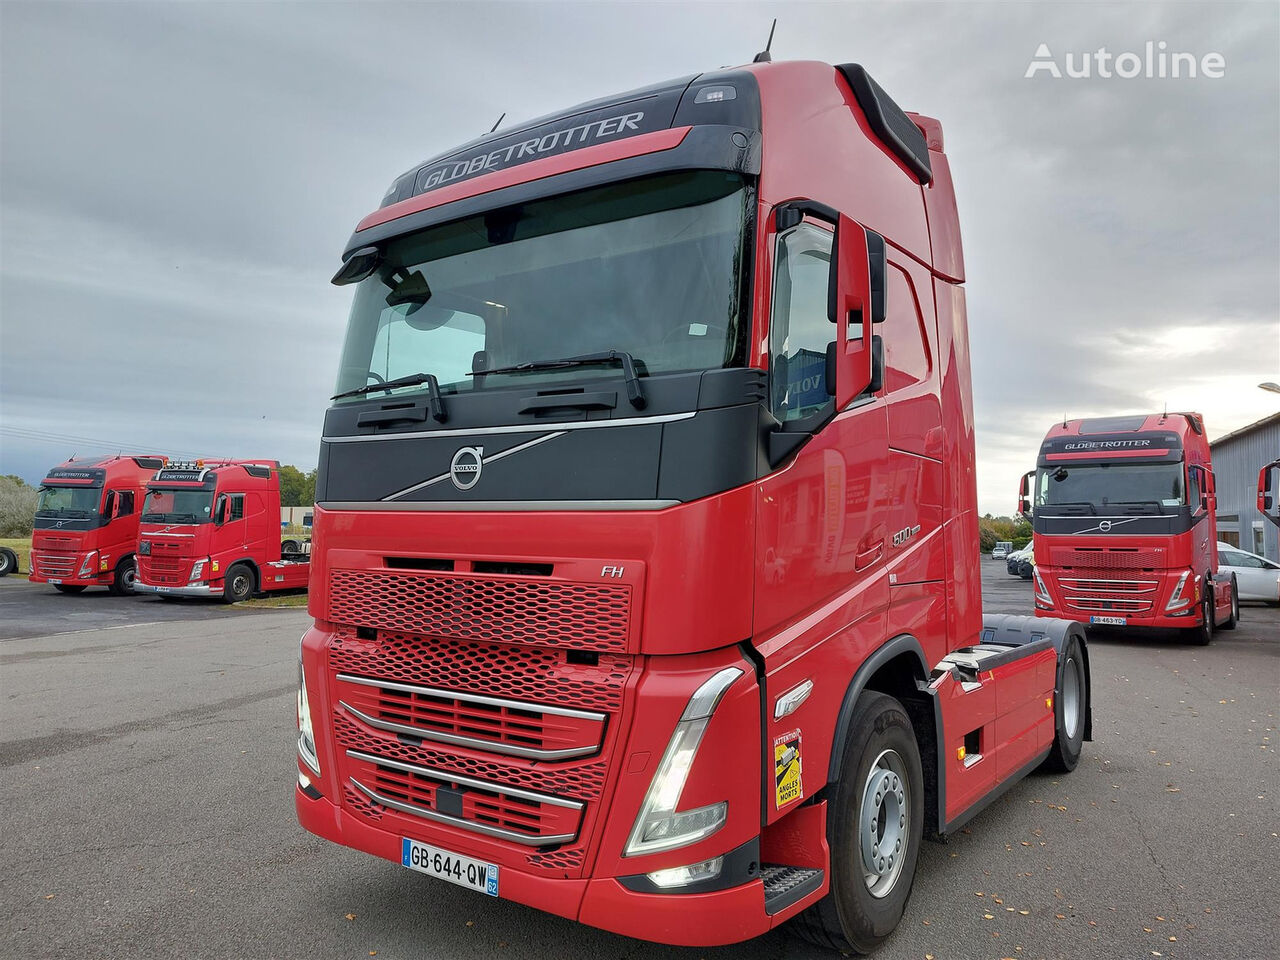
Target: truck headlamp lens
column 197, row 569
column 306, row 733
column 144, row 548
column 683, row 876
column 90, row 561
column 1041, row 589
column 1176, row 599
column 659, row 825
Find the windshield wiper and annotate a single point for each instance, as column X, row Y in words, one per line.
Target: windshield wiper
column 621, row 357
column 434, row 400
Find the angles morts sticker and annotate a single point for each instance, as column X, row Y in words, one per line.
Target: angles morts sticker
column 788, row 785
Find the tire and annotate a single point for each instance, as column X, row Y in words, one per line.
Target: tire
column 69, row 587
column 239, row 583
column 289, row 546
column 1070, row 708
column 864, row 906
column 1234, row 618
column 8, row 562
column 1024, row 570
column 126, row 575
column 1202, row 635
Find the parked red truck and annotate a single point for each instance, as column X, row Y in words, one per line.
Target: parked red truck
column 86, row 523
column 1125, row 527
column 211, row 528
column 647, row 588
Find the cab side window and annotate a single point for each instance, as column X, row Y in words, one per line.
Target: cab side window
column 126, row 502
column 1193, row 489
column 237, row 506
column 799, row 329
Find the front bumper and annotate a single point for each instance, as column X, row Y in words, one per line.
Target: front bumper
column 722, row 916
column 190, row 590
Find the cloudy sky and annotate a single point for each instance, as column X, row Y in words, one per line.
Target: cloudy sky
column 177, row 182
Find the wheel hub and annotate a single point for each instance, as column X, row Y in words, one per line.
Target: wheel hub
column 883, row 829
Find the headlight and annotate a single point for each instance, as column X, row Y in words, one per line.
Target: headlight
column 1041, row 590
column 1176, row 599
column 659, row 826
column 144, row 548
column 197, row 569
column 90, row 561
column 306, row 733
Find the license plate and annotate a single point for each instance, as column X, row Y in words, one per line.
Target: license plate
column 51, row 580
column 434, row 862
column 163, row 589
column 1109, row 621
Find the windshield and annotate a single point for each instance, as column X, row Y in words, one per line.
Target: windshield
column 78, row 503
column 1100, row 485
column 649, row 267
column 178, row 506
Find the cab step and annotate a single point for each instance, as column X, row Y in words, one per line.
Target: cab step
column 785, row 885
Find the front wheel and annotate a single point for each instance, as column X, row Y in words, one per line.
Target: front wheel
column 126, row 576
column 1202, row 635
column 8, row 562
column 239, row 584
column 874, row 830
column 1234, row 616
column 1070, row 707
column 69, row 587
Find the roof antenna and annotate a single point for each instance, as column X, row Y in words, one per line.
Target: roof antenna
column 1064, row 421
column 498, row 121
column 764, row 56
column 1165, row 415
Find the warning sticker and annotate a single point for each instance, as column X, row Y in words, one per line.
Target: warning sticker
column 788, row 785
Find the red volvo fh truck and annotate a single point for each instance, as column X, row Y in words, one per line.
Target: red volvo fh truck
column 1124, row 514
column 86, row 523
column 646, row 552
column 211, row 528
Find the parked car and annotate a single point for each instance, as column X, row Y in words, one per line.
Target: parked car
column 1019, row 563
column 1257, row 578
column 1002, row 549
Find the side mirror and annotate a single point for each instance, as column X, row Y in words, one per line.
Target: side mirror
column 1024, row 495
column 855, row 302
column 109, row 505
column 221, row 510
column 1269, row 491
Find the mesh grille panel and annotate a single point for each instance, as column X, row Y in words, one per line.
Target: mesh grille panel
column 1105, row 558
column 508, row 609
column 499, row 670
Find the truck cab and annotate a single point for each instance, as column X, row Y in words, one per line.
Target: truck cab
column 86, row 523
column 646, row 544
column 211, row 528
column 1123, row 510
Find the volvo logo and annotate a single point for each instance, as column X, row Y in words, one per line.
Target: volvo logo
column 464, row 469
column 1105, row 526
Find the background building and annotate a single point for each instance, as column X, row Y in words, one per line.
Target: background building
column 1237, row 458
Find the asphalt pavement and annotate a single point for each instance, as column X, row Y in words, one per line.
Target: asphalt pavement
column 37, row 610
column 146, row 810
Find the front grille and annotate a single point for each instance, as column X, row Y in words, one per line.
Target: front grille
column 508, row 609
column 477, row 712
column 56, row 565
column 1109, row 558
column 1102, row 595
column 56, row 544
column 495, row 724
column 494, row 809
column 158, row 571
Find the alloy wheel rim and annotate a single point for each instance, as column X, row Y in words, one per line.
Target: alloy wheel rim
column 884, row 823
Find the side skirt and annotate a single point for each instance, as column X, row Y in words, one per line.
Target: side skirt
column 978, row 806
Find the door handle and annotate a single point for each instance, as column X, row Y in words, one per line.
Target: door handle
column 865, row 558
